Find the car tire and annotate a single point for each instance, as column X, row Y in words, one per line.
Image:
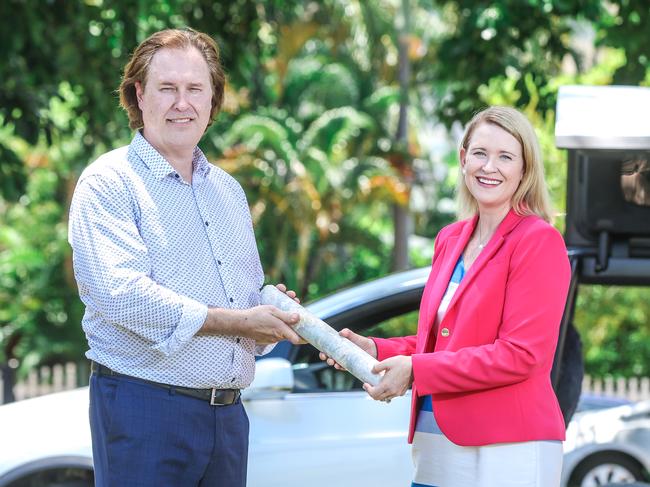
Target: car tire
column 55, row 477
column 607, row 468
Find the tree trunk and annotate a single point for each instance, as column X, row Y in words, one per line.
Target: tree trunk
column 402, row 218
column 8, row 375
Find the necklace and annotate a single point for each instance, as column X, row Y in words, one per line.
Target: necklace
column 481, row 244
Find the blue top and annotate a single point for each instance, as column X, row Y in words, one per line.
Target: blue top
column 459, row 271
column 426, row 422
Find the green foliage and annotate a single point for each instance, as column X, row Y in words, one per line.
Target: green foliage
column 404, row 325
column 12, row 174
column 312, row 188
column 614, row 325
column 502, row 39
column 314, row 87
column 38, row 300
column 40, row 310
column 625, row 28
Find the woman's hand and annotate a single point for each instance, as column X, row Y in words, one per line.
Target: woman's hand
column 291, row 294
column 364, row 343
column 398, row 377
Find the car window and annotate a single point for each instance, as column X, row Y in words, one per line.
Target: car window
column 313, row 375
column 398, row 326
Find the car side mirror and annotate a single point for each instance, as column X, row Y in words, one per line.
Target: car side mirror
column 273, row 379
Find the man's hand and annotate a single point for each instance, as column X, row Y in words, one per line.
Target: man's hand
column 398, row 377
column 267, row 324
column 365, row 344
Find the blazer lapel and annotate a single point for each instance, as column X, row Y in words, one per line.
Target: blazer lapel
column 453, row 249
column 506, row 226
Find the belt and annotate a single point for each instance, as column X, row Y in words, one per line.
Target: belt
column 216, row 397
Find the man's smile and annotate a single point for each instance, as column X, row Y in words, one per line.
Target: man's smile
column 179, row 120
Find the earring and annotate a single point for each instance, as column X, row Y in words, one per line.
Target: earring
column 464, row 171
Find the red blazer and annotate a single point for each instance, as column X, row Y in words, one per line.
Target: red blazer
column 489, row 373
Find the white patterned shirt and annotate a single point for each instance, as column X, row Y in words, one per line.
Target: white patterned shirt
column 151, row 252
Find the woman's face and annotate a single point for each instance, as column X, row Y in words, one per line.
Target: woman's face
column 493, row 166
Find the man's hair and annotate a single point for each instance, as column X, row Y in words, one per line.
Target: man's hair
column 138, row 66
column 531, row 197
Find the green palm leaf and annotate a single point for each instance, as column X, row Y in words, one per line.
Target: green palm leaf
column 259, row 132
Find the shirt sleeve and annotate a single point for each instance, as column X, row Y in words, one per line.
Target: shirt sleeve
column 113, row 269
column 390, row 347
column 264, row 349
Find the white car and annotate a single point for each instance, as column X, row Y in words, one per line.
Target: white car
column 608, row 446
column 310, row 424
column 323, row 437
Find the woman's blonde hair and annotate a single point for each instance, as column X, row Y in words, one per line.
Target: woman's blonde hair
column 531, row 197
column 137, row 68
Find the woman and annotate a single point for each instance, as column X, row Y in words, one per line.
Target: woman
column 484, row 412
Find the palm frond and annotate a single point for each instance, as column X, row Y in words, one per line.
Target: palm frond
column 379, row 103
column 259, row 132
column 333, row 130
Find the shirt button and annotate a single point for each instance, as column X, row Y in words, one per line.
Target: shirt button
column 231, row 300
column 444, row 332
column 176, row 176
column 238, row 339
column 219, row 262
column 207, row 223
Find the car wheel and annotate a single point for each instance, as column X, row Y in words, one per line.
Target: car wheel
column 57, row 477
column 606, row 468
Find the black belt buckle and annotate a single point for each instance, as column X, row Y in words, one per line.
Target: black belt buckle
column 219, row 397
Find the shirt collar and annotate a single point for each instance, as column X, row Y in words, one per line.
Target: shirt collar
column 200, row 162
column 158, row 165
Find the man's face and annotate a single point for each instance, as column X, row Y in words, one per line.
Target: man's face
column 176, row 100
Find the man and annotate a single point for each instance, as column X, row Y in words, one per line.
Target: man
column 167, row 265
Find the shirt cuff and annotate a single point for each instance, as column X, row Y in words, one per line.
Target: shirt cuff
column 264, row 349
column 382, row 351
column 192, row 318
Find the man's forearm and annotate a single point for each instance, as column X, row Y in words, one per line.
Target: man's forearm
column 223, row 321
column 264, row 324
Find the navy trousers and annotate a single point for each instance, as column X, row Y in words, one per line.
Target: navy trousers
column 147, row 436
